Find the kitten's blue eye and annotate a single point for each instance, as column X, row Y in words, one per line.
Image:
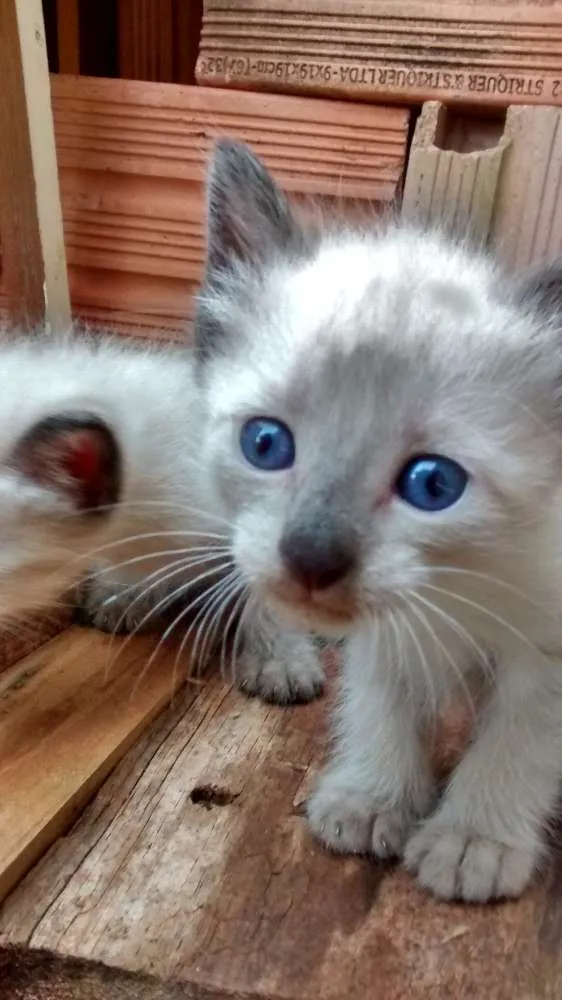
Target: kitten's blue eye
column 267, row 444
column 431, row 482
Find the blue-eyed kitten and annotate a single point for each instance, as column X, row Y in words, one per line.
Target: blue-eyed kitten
column 383, row 425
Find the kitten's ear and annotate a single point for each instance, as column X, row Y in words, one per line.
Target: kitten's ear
column 541, row 288
column 76, row 456
column 248, row 216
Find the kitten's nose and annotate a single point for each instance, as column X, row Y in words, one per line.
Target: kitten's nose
column 318, row 560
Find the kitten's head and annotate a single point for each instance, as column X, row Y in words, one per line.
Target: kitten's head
column 379, row 404
column 60, row 478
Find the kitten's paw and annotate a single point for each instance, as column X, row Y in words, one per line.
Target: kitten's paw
column 292, row 676
column 453, row 862
column 348, row 822
column 391, row 830
column 112, row 608
column 342, row 818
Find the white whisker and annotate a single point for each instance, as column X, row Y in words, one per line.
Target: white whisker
column 162, row 577
column 185, row 508
column 423, row 663
column 168, row 599
column 219, row 598
column 486, row 577
column 170, row 629
column 446, row 653
column 231, row 618
column 456, row 627
column 211, row 613
column 212, row 550
column 486, row 612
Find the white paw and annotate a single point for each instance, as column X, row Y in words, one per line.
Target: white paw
column 292, row 675
column 348, row 821
column 342, row 818
column 390, row 832
column 453, row 862
column 277, row 681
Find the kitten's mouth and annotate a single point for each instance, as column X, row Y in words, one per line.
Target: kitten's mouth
column 319, row 611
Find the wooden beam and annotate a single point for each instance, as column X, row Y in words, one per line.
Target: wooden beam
column 146, row 39
column 34, row 264
column 195, row 863
column 66, row 718
column 187, row 24
column 27, row 634
column 68, row 36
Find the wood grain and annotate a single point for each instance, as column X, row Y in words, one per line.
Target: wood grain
column 485, row 52
column 146, row 39
column 28, row 974
column 188, row 20
column 132, row 160
column 68, row 36
column 236, row 898
column 159, row 39
column 65, row 720
column 22, row 637
column 33, row 258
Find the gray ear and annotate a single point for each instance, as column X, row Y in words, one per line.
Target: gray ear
column 248, row 216
column 541, row 288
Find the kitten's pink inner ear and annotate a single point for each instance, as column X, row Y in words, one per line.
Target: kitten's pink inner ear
column 75, row 455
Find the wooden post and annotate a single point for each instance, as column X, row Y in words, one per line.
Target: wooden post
column 33, row 253
column 68, row 35
column 146, row 40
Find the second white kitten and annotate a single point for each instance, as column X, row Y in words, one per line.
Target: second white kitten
column 100, row 470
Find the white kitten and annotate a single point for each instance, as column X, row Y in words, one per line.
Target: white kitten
column 384, row 428
column 100, row 460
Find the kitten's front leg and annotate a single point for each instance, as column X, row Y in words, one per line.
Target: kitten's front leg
column 379, row 782
column 486, row 839
column 274, row 664
column 117, row 605
column 278, row 665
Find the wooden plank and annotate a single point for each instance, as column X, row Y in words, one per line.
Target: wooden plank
column 132, row 159
column 68, row 36
column 20, row 638
column 453, row 170
column 159, row 39
column 146, row 40
column 226, row 890
column 39, row 975
column 187, row 22
column 527, row 223
column 485, row 52
column 34, row 266
column 65, row 720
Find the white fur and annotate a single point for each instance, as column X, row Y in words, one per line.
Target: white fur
column 148, row 397
column 45, row 545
